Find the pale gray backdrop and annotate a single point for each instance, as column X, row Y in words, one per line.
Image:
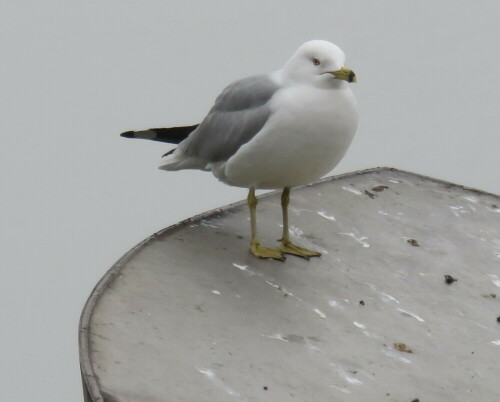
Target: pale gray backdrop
column 74, row 74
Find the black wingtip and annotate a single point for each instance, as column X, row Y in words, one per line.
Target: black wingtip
column 168, row 153
column 128, row 134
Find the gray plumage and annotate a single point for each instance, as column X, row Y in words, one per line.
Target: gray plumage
column 238, row 114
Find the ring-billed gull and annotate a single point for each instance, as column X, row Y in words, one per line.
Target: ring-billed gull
column 277, row 130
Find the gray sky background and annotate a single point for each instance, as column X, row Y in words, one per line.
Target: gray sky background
column 74, row 74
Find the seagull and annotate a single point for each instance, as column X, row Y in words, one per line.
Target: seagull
column 272, row 131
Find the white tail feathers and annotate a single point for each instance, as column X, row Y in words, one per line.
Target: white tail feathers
column 179, row 162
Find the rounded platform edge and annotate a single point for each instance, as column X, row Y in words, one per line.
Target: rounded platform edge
column 91, row 390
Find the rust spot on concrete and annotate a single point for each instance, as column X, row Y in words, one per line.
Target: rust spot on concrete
column 402, row 348
column 378, row 189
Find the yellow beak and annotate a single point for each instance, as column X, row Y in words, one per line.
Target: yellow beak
column 344, row 74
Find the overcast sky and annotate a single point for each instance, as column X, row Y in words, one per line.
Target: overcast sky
column 74, row 74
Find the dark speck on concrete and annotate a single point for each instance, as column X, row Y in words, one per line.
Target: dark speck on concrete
column 265, row 388
column 449, row 279
column 413, row 242
column 371, row 195
column 498, row 318
column 362, row 302
column 379, row 188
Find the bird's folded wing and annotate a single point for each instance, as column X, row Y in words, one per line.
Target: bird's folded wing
column 238, row 114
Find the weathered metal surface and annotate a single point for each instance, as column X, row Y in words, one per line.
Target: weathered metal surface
column 190, row 315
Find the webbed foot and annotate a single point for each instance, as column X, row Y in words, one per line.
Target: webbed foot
column 287, row 247
column 266, row 252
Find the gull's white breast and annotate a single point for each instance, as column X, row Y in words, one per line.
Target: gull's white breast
column 305, row 137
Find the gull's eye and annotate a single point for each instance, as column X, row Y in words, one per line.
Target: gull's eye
column 316, row 61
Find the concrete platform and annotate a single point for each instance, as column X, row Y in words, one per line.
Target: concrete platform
column 190, row 315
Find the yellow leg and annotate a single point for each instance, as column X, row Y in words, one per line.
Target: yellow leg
column 287, row 246
column 258, row 250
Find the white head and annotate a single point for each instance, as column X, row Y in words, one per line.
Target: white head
column 319, row 63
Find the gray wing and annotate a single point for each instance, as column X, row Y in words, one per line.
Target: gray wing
column 239, row 113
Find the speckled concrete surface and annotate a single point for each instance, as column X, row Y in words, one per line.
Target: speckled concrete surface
column 190, row 315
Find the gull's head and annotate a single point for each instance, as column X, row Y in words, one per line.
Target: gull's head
column 319, row 63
